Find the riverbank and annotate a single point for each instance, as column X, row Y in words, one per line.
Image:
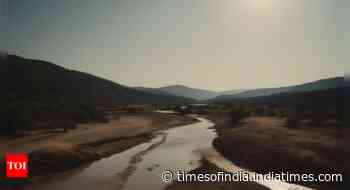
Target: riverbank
column 57, row 152
column 265, row 144
column 209, row 168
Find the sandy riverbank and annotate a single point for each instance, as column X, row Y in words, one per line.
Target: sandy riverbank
column 57, row 152
column 264, row 144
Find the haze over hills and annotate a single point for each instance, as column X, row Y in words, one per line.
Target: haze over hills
column 155, row 91
column 188, row 92
column 319, row 85
column 231, row 92
column 39, row 81
column 212, row 96
column 184, row 91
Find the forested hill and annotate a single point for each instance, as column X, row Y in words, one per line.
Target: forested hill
column 40, row 81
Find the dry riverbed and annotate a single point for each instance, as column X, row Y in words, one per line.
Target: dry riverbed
column 56, row 152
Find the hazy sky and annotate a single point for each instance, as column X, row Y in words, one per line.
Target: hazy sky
column 211, row 44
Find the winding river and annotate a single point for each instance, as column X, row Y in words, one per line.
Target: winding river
column 176, row 149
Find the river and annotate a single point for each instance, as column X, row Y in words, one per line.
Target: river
column 176, row 149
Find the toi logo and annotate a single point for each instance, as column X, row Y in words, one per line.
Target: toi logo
column 16, row 165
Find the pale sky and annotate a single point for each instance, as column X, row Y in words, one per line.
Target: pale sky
column 210, row 44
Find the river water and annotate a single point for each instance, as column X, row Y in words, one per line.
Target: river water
column 176, row 149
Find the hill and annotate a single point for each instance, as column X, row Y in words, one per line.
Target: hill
column 231, row 92
column 40, row 81
column 318, row 104
column 324, row 84
column 155, row 91
column 184, row 91
column 40, row 94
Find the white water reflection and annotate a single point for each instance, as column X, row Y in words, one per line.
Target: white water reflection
column 165, row 111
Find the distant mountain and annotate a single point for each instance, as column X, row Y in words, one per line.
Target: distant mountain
column 155, row 91
column 324, row 84
column 231, row 92
column 43, row 82
column 184, row 91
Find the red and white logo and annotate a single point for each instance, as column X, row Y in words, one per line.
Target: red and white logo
column 16, row 165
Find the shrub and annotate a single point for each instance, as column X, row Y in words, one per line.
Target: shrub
column 237, row 114
column 318, row 117
column 293, row 118
column 292, row 122
column 94, row 114
column 280, row 113
column 20, row 116
column 58, row 124
column 15, row 118
column 65, row 125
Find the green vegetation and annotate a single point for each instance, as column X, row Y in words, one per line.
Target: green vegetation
column 316, row 108
column 237, row 114
column 21, row 116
